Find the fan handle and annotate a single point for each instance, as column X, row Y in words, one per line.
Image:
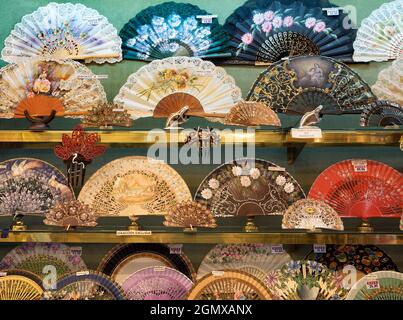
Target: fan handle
column 365, row 226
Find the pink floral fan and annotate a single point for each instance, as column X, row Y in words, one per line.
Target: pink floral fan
column 157, row 283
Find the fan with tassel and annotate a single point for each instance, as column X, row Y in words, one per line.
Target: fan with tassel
column 157, row 283
column 380, row 36
column 19, row 288
column 382, row 114
column 389, row 85
column 172, row 29
column 267, row 31
column 63, row 31
column 300, row 84
column 229, row 285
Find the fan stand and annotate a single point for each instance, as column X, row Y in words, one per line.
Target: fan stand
column 134, row 225
column 39, row 123
column 190, row 229
column 365, row 226
column 18, row 224
column 76, row 172
column 250, row 225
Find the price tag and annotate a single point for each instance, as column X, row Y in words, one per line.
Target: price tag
column 93, row 77
column 175, row 248
column 76, row 251
column 373, row 284
column 331, row 12
column 159, row 269
column 319, row 248
column 261, row 63
column 133, row 233
column 82, row 273
column 207, row 19
column 306, row 133
column 274, row 168
column 360, row 165
column 217, row 273
column 118, row 110
column 3, row 274
column 277, row 249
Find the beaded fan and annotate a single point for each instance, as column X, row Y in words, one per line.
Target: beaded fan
column 105, row 116
column 389, row 85
column 19, row 288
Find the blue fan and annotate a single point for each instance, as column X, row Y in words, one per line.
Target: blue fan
column 266, row 31
column 173, row 29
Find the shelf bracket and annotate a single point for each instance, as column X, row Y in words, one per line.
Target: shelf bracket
column 293, row 151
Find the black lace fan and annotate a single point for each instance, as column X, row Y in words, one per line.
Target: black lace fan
column 267, row 30
column 382, row 113
column 300, row 84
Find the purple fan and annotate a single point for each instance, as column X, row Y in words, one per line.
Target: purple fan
column 157, row 283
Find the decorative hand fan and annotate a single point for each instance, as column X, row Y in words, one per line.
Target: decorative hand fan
column 23, row 273
column 19, row 288
column 34, row 257
column 360, row 188
column 125, row 259
column 157, row 283
column 365, row 258
column 106, row 116
column 63, row 31
column 300, row 84
column 381, row 285
column 390, row 82
column 229, row 285
column 164, row 87
column 247, row 113
column 311, row 214
column 40, row 87
column 31, row 186
column 172, row 29
column 380, row 37
column 88, row 285
column 305, row 280
column 255, row 259
column 267, row 31
column 382, row 114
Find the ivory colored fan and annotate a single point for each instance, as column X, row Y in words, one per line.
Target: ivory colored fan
column 389, row 85
column 19, row 288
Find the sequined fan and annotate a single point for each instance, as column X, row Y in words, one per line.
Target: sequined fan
column 31, row 187
column 255, row 259
column 166, row 86
column 380, row 36
column 190, row 214
column 125, row 259
column 248, row 187
column 389, row 85
column 382, row 114
column 305, row 280
column 229, row 285
column 34, row 257
column 107, row 116
column 157, row 283
column 41, row 87
column 63, row 31
column 172, row 29
column 381, row 285
column 86, row 285
column 267, row 31
column 311, row 214
column 360, row 188
column 19, row 288
column 300, row 84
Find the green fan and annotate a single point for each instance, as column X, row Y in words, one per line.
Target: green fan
column 173, row 29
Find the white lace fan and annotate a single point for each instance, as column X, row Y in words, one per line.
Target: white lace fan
column 389, row 85
column 380, row 37
column 166, row 86
column 64, row 31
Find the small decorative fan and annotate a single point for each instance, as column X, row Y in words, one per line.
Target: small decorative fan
column 166, row 86
column 34, row 257
column 107, row 116
column 63, row 31
column 86, row 285
column 40, row 87
column 229, row 285
column 382, row 114
column 390, row 83
column 19, row 288
column 31, row 187
column 157, row 283
column 380, row 37
column 125, row 259
column 300, row 84
column 23, row 273
column 250, row 113
column 71, row 214
column 172, row 29
column 311, row 214
column 381, row 285
column 267, row 31
column 190, row 215
column 305, row 280
column 360, row 188
column 255, row 259
column 365, row 258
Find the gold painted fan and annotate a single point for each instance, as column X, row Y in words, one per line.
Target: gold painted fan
column 229, row 285
column 19, row 288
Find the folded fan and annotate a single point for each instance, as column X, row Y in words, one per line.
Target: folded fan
column 19, row 288
column 389, row 85
column 382, row 113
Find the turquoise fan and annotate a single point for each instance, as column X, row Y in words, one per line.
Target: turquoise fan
column 266, row 31
column 172, row 29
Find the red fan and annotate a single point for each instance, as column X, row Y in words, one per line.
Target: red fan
column 360, row 188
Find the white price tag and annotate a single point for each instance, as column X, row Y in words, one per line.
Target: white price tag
column 175, row 248
column 277, row 249
column 306, row 133
column 274, row 168
column 118, row 110
column 360, row 165
column 331, row 12
column 133, row 232
column 373, row 284
column 93, row 77
column 207, row 19
column 217, row 273
column 82, row 273
column 159, row 269
column 319, row 248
